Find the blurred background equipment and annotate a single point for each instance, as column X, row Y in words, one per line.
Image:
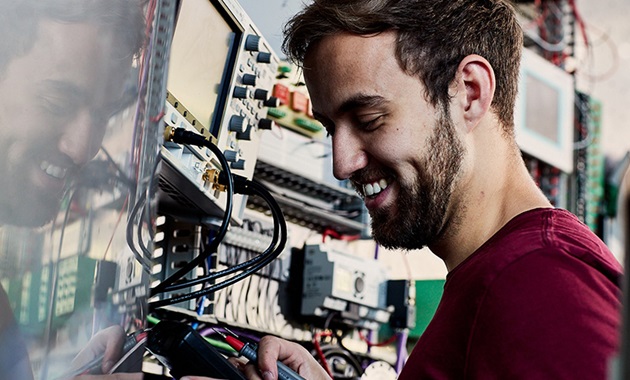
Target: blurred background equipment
column 211, row 201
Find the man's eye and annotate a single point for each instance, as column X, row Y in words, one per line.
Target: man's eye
column 371, row 124
column 101, row 118
column 56, row 106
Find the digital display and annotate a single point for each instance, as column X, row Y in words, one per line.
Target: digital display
column 199, row 53
column 541, row 109
column 543, row 116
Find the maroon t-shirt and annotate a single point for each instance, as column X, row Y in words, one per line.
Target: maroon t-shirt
column 539, row 300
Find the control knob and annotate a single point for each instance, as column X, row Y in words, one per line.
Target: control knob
column 246, row 135
column 252, row 43
column 272, row 102
column 236, row 124
column 238, row 165
column 231, row 155
column 249, row 79
column 263, row 57
column 265, row 124
column 240, row 92
column 261, row 94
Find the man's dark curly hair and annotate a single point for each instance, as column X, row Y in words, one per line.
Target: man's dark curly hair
column 433, row 36
column 19, row 21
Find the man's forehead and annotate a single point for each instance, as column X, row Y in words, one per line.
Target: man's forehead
column 350, row 42
column 79, row 55
column 347, row 71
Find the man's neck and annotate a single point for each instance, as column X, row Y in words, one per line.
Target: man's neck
column 498, row 191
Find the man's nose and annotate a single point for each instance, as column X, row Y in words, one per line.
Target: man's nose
column 81, row 138
column 349, row 153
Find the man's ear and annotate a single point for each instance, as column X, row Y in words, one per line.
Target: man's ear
column 476, row 76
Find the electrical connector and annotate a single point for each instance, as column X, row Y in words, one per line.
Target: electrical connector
column 212, row 176
column 241, row 184
column 169, row 133
column 219, row 179
column 182, row 136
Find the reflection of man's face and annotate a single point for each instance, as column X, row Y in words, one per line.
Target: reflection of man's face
column 55, row 101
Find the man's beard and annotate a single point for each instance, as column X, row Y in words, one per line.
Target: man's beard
column 421, row 215
column 23, row 203
column 29, row 210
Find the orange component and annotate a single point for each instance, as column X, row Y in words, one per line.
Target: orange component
column 281, row 92
column 299, row 102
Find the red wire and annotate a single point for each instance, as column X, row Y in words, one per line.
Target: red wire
column 336, row 235
column 157, row 118
column 320, row 353
column 111, row 239
column 580, row 20
column 389, row 341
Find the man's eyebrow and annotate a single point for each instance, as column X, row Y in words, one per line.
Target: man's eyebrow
column 65, row 88
column 79, row 95
column 361, row 101
column 355, row 102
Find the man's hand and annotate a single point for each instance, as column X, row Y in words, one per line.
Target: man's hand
column 272, row 349
column 114, row 376
column 109, row 343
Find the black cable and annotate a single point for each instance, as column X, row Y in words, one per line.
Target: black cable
column 182, row 136
column 122, row 176
column 130, row 223
column 263, row 257
column 260, row 190
column 245, row 289
column 244, row 265
column 143, row 207
column 150, row 191
column 143, row 247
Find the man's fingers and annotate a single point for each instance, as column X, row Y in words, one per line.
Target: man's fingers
column 251, row 372
column 107, row 342
column 115, row 376
column 115, row 337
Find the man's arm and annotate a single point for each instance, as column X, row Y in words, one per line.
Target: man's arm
column 14, row 361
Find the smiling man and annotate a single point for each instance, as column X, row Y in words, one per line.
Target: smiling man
column 64, row 65
column 62, row 74
column 418, row 97
column 404, row 173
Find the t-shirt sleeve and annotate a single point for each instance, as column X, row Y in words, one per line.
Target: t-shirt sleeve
column 546, row 316
column 14, row 361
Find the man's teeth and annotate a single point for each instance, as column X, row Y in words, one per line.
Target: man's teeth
column 53, row 170
column 374, row 188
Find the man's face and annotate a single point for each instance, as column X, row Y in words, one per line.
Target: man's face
column 55, row 101
column 403, row 155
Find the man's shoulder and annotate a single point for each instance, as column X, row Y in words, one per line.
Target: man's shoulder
column 540, row 240
column 546, row 231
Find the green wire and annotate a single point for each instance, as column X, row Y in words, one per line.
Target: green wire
column 152, row 320
column 216, row 343
column 220, row 344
